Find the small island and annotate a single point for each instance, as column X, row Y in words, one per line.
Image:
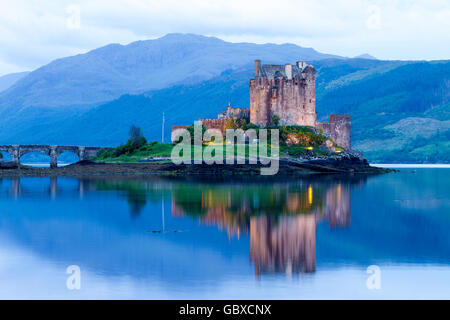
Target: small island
column 139, row 158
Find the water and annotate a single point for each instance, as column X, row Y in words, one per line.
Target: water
column 176, row 239
column 44, row 164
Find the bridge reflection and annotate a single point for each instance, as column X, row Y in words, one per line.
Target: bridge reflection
column 17, row 190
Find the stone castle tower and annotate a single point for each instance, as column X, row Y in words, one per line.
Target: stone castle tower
column 286, row 91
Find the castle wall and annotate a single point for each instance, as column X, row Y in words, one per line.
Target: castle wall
column 260, row 101
column 338, row 129
column 175, row 130
column 293, row 100
column 215, row 124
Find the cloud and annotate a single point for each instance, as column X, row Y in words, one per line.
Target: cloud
column 33, row 33
column 73, row 20
column 374, row 17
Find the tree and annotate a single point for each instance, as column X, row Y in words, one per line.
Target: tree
column 275, row 120
column 137, row 138
column 244, row 125
column 135, row 133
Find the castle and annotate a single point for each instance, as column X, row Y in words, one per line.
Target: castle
column 288, row 92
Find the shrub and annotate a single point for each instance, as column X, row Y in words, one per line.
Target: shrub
column 306, row 135
column 230, row 124
column 275, row 120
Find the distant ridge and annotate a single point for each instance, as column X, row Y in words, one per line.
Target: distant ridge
column 365, row 56
column 8, row 80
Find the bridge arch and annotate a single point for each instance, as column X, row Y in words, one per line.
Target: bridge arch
column 35, row 157
column 68, row 156
column 4, row 155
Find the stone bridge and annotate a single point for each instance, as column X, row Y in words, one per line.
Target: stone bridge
column 17, row 151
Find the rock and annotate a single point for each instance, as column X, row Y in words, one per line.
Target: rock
column 150, row 159
column 297, row 139
column 325, row 148
column 329, row 143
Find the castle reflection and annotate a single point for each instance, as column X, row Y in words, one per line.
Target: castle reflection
column 281, row 218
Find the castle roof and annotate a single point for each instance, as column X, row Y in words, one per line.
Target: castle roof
column 272, row 71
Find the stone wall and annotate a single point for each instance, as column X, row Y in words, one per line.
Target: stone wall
column 208, row 123
column 338, row 129
column 214, row 124
column 175, row 130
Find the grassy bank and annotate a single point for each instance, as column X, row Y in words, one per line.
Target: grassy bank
column 295, row 141
column 155, row 149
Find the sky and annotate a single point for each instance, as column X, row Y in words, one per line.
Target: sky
column 35, row 32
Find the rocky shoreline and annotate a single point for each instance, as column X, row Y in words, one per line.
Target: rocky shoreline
column 344, row 163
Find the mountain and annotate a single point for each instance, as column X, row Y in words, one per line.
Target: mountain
column 8, row 80
column 108, row 123
column 104, row 74
column 400, row 109
column 365, row 56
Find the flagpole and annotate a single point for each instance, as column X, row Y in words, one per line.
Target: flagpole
column 162, row 130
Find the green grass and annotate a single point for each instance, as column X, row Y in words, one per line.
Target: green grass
column 165, row 149
column 152, row 149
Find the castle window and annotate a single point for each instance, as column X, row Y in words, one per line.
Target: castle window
column 310, row 100
column 274, row 92
column 303, row 107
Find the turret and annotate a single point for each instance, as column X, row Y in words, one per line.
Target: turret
column 301, row 64
column 257, row 66
column 288, row 71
